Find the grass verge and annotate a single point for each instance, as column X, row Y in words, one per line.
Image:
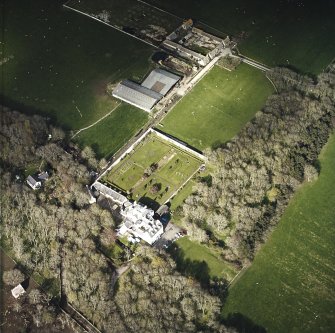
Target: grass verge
column 196, row 252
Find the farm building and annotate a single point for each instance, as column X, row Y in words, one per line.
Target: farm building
column 152, row 90
column 139, row 223
column 109, row 193
column 136, row 95
column 160, row 81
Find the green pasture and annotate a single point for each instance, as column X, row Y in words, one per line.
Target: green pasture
column 175, row 166
column 61, row 62
column 218, row 106
column 109, row 135
column 290, row 285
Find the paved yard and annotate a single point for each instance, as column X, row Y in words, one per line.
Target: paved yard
column 169, row 236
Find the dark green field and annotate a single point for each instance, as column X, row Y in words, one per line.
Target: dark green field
column 218, row 106
column 296, row 33
column 131, row 16
column 61, row 63
column 290, row 285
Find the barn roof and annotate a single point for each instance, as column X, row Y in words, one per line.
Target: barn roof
column 137, row 95
column 160, row 81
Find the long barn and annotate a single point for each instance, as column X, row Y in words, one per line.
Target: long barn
column 137, row 95
column 145, row 96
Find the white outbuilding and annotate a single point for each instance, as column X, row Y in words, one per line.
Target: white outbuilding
column 18, row 291
column 33, row 183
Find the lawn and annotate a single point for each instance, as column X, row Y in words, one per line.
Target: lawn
column 60, row 63
column 290, row 285
column 108, row 136
column 218, row 106
column 297, row 33
column 173, row 167
column 186, row 191
column 197, row 252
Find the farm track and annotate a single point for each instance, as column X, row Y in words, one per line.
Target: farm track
column 79, row 319
column 95, row 123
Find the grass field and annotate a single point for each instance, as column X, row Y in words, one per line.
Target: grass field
column 108, row 136
column 218, row 106
column 61, row 63
column 297, row 33
column 197, row 252
column 173, row 168
column 290, row 285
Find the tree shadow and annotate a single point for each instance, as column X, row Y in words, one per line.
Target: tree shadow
column 243, row 324
column 299, row 71
column 217, row 144
column 31, row 110
column 195, row 268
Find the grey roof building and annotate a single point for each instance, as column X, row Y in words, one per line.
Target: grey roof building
column 137, row 95
column 146, row 95
column 160, row 81
column 110, row 193
column 33, row 183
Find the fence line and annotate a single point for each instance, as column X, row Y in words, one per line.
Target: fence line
column 109, row 25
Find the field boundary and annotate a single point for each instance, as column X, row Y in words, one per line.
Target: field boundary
column 165, row 139
column 237, row 276
column 274, row 86
column 109, row 25
column 117, row 161
column 178, row 144
column 160, row 9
